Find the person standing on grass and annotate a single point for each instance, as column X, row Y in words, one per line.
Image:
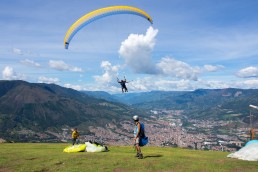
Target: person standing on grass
column 137, row 136
column 75, row 136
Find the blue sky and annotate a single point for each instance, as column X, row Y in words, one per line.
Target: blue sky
column 192, row 44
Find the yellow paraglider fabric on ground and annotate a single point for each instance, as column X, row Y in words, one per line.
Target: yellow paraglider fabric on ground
column 75, row 148
column 100, row 13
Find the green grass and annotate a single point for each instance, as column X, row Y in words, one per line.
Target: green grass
column 50, row 157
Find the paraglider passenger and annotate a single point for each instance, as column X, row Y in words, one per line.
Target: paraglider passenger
column 123, row 86
column 137, row 136
column 75, row 136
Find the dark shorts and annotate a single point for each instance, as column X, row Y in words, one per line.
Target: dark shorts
column 75, row 141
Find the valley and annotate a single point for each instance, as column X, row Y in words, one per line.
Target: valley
column 216, row 119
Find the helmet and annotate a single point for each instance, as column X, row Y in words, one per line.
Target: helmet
column 136, row 118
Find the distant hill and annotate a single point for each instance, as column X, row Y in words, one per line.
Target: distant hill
column 218, row 104
column 134, row 98
column 27, row 109
column 101, row 95
column 222, row 104
column 37, row 107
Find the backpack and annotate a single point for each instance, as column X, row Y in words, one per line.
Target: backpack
column 143, row 139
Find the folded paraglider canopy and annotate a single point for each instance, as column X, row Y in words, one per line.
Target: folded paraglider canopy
column 87, row 147
column 95, row 147
column 249, row 152
column 75, row 148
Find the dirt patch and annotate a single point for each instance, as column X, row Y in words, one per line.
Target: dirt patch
column 122, row 170
column 59, row 163
column 31, row 158
column 5, row 170
column 43, row 170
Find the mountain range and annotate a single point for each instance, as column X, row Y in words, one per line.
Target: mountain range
column 39, row 107
column 216, row 104
column 33, row 108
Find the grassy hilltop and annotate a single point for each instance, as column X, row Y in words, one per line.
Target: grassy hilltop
column 50, row 157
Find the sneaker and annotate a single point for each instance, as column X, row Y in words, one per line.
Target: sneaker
column 140, row 156
column 137, row 155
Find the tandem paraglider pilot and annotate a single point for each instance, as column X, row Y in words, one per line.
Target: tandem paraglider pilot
column 123, row 86
column 75, row 136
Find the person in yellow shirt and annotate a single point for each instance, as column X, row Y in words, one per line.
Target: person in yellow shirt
column 75, row 136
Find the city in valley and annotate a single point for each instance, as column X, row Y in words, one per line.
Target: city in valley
column 166, row 128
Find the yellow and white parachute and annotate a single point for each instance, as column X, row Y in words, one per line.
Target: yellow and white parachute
column 100, row 13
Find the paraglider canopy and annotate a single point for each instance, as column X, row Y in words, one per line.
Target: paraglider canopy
column 100, row 13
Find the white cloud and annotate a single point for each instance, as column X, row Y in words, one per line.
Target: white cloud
column 110, row 72
column 250, row 84
column 9, row 74
column 62, row 66
column 244, row 84
column 142, row 84
column 213, row 84
column 43, row 79
column 30, row 63
column 248, row 72
column 159, row 83
column 90, row 87
column 75, row 87
column 178, row 69
column 168, row 85
column 17, row 51
column 211, row 68
column 154, row 82
column 136, row 50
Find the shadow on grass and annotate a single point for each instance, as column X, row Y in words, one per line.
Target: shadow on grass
column 152, row 156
